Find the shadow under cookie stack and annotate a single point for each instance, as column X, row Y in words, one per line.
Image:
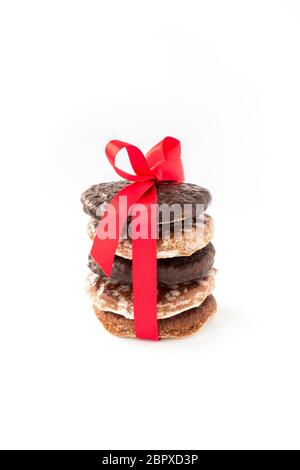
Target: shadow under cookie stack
column 185, row 273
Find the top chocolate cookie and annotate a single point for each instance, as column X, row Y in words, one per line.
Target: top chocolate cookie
column 96, row 198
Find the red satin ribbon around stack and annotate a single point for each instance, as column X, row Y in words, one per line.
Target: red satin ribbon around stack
column 162, row 163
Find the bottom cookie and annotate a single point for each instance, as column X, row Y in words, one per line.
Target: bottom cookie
column 178, row 326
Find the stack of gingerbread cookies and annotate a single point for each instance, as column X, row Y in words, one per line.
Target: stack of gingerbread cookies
column 185, row 273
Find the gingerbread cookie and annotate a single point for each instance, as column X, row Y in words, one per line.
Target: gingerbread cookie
column 190, row 240
column 170, row 271
column 179, row 326
column 95, row 199
column 115, row 297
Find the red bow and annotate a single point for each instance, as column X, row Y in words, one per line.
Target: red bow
column 162, row 163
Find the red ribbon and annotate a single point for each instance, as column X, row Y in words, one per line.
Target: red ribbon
column 162, row 163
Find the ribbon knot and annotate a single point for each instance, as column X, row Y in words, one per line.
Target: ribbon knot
column 161, row 163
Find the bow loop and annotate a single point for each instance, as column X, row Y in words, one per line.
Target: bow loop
column 136, row 157
column 164, row 159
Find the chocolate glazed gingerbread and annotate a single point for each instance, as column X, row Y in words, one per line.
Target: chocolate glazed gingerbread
column 170, row 271
column 96, row 198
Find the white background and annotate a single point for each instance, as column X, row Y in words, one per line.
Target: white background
column 224, row 78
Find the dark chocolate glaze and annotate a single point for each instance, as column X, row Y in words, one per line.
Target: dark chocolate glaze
column 170, row 271
column 95, row 198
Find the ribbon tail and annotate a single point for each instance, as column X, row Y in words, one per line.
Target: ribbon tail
column 103, row 249
column 144, row 272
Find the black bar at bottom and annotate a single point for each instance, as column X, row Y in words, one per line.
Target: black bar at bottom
column 101, row 458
